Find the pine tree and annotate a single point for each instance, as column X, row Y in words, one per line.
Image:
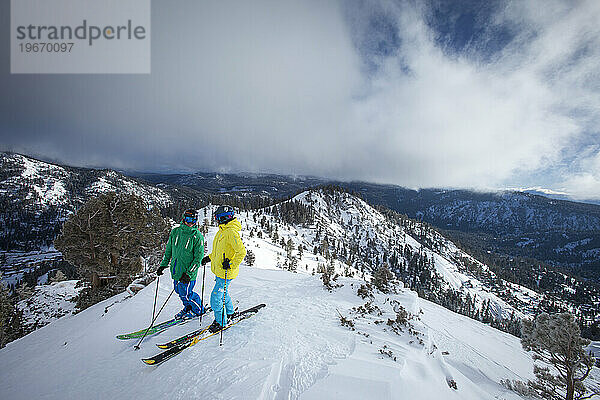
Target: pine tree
column 205, row 225
column 6, row 310
column 382, row 278
column 291, row 260
column 556, row 341
column 24, row 291
column 113, row 234
column 11, row 318
column 250, row 258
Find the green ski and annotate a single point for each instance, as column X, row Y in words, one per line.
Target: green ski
column 158, row 328
column 191, row 339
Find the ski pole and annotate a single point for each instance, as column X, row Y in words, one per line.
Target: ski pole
column 202, row 311
column 155, row 298
column 137, row 346
column 223, row 312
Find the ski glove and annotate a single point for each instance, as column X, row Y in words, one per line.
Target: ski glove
column 205, row 260
column 184, row 278
column 226, row 264
column 160, row 270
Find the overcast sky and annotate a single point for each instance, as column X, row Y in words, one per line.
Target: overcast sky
column 470, row 94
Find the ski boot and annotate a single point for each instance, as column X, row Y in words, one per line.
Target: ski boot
column 215, row 327
column 184, row 313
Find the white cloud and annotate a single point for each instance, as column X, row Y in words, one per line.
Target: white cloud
column 282, row 87
column 454, row 121
column 584, row 182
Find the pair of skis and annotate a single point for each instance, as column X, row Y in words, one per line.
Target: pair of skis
column 176, row 346
column 158, row 328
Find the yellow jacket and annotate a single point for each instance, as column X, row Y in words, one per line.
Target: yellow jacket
column 227, row 242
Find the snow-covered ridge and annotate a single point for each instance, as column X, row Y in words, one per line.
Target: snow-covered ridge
column 295, row 348
column 357, row 215
column 359, row 239
column 42, row 184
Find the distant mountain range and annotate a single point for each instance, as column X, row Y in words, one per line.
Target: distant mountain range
column 552, row 194
column 558, row 232
column 275, row 186
column 335, row 227
column 510, row 223
column 36, row 196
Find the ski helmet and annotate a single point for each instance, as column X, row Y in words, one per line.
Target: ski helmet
column 190, row 216
column 224, row 214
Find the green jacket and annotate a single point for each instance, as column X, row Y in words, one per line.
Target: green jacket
column 185, row 250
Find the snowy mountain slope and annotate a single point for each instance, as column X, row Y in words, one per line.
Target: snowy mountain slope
column 294, row 348
column 43, row 184
column 351, row 224
column 36, row 196
column 270, row 253
column 49, row 303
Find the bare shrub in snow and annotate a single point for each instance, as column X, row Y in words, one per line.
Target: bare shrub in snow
column 386, row 351
column 329, row 280
column 58, row 277
column 346, row 321
column 368, row 308
column 520, row 387
column 365, row 291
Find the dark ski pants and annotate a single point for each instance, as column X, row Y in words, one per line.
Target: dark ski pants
column 188, row 296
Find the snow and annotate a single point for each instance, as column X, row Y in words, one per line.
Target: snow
column 592, row 253
column 293, row 348
column 595, row 347
column 44, row 179
column 49, row 302
column 42, row 280
column 112, row 181
column 46, row 185
column 526, row 242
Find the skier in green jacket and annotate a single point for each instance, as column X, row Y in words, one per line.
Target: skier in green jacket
column 184, row 251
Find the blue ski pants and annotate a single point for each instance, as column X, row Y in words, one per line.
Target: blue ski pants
column 216, row 300
column 189, row 298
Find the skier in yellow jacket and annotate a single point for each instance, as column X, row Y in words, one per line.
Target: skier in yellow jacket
column 228, row 251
